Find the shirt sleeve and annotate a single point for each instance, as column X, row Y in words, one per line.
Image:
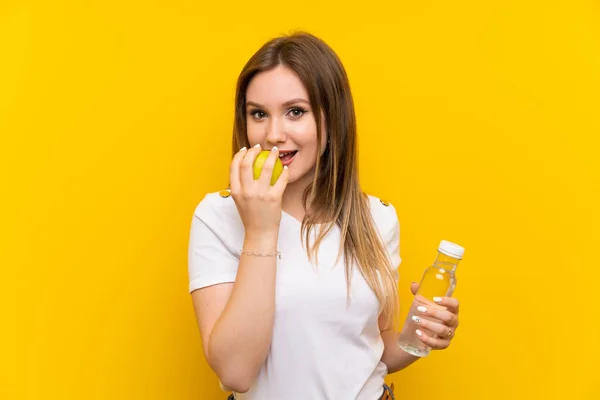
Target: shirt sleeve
column 212, row 258
column 393, row 240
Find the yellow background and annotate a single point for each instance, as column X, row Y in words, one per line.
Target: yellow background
column 478, row 120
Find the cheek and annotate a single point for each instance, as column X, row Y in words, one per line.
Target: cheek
column 254, row 132
column 305, row 133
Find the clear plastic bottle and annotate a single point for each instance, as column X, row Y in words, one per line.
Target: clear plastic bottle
column 438, row 281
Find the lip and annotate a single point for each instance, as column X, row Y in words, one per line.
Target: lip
column 288, row 162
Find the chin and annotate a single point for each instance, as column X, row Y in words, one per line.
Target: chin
column 293, row 178
column 296, row 176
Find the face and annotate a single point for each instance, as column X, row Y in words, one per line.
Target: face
column 278, row 114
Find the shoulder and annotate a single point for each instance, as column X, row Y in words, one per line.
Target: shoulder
column 216, row 236
column 383, row 213
column 380, row 208
column 217, row 207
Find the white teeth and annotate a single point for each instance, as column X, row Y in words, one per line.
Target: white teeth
column 285, row 154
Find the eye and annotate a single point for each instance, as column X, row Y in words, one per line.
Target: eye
column 258, row 114
column 297, row 112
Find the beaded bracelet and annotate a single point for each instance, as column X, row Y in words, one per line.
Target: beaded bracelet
column 251, row 253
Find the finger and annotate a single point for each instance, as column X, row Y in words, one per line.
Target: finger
column 234, row 171
column 267, row 170
column 447, row 317
column 414, row 287
column 434, row 343
column 449, row 302
column 439, row 329
column 246, row 166
column 280, row 184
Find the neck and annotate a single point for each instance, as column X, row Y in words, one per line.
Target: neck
column 292, row 197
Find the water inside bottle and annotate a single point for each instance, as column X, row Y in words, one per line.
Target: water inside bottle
column 410, row 341
column 438, row 281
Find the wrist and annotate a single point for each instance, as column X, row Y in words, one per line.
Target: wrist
column 263, row 241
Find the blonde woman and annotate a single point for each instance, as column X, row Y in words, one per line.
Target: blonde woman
column 294, row 285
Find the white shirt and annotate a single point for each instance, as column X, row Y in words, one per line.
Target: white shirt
column 321, row 348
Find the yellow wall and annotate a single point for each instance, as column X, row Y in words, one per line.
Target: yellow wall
column 478, row 120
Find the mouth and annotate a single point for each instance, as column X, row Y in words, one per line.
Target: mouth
column 287, row 157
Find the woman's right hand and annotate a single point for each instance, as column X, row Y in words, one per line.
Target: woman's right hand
column 258, row 203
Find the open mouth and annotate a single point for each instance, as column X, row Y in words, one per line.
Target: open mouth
column 287, row 157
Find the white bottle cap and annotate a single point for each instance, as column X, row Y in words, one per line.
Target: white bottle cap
column 451, row 249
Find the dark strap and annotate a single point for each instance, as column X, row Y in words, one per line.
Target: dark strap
column 388, row 392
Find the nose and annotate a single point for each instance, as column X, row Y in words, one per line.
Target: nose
column 275, row 132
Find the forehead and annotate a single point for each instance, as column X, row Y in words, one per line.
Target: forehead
column 275, row 87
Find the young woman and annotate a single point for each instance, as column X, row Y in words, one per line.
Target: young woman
column 294, row 285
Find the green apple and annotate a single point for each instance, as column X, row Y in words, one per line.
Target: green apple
column 260, row 161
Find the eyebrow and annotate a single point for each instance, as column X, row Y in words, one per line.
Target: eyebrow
column 287, row 103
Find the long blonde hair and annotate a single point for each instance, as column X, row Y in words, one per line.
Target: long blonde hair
column 340, row 198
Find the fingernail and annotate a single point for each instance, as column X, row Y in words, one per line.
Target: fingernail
column 437, row 299
column 421, row 309
column 243, row 148
column 416, row 319
column 257, row 145
column 419, row 332
column 274, row 148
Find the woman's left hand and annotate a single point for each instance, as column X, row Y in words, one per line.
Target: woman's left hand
column 443, row 323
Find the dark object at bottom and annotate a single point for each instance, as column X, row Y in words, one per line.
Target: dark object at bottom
column 388, row 393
